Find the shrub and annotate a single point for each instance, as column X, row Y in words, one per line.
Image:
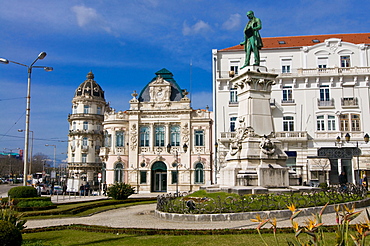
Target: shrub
column 324, row 186
column 22, row 192
column 13, row 217
column 120, row 191
column 35, row 203
column 9, row 234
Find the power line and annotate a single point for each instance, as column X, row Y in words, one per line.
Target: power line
column 40, row 139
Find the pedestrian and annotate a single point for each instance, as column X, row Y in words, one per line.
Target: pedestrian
column 300, row 179
column 364, row 182
column 52, row 188
column 104, row 188
column 343, row 180
column 82, row 188
column 64, row 189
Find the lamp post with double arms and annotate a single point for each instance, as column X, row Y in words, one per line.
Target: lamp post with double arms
column 27, row 130
column 176, row 164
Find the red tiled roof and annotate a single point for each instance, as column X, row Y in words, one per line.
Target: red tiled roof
column 299, row 41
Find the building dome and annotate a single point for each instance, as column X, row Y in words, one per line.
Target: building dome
column 176, row 91
column 89, row 88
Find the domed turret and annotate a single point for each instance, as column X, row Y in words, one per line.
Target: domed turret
column 89, row 88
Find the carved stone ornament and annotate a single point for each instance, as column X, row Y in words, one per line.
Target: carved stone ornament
column 241, row 134
column 133, row 137
column 185, row 133
column 267, row 146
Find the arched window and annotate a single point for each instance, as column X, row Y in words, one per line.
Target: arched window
column 144, row 136
column 175, row 135
column 118, row 173
column 159, row 136
column 86, row 125
column 199, row 173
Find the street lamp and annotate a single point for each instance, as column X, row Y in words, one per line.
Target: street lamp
column 216, row 170
column 347, row 137
column 55, row 150
column 27, row 131
column 176, row 164
column 30, row 169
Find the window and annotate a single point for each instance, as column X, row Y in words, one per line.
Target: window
column 233, row 96
column 84, row 158
column 320, row 123
column 84, row 141
column 199, row 173
column 232, row 124
column 107, row 139
column 144, row 136
column 322, row 62
column 86, row 125
column 74, row 109
column 345, row 61
column 120, row 141
column 175, row 135
column 288, row 123
column 98, row 110
column 350, row 122
column 291, row 161
column 234, row 67
column 159, row 136
column 118, row 173
column 174, row 177
column 344, row 122
column 73, row 157
column 286, row 65
column 73, row 144
column 331, row 123
column 86, row 109
column 199, row 138
column 355, row 122
column 74, row 126
column 142, row 177
column 287, row 94
column 324, row 93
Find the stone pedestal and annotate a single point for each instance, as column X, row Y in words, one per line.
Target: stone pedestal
column 255, row 157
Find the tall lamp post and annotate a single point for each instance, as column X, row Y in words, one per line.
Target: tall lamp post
column 27, row 131
column 176, row 164
column 358, row 152
column 55, row 150
column 30, row 169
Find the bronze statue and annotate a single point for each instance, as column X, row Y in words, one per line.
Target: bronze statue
column 252, row 39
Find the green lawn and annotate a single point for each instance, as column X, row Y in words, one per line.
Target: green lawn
column 77, row 238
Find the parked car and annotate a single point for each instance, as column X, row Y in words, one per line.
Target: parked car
column 43, row 189
column 58, row 190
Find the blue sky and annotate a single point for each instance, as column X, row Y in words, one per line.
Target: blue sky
column 124, row 42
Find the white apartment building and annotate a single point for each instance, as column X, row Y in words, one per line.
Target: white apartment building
column 320, row 100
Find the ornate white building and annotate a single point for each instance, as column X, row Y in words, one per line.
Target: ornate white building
column 160, row 144
column 321, row 96
column 85, row 131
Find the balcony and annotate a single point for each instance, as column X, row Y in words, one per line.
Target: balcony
column 349, row 102
column 84, row 148
column 325, row 103
column 308, row 72
column 292, row 136
column 287, row 101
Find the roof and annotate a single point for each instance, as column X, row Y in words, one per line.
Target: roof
column 90, row 87
column 300, row 41
column 176, row 91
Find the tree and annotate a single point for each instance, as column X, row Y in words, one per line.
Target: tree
column 38, row 162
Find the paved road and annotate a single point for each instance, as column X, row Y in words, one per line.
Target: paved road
column 142, row 216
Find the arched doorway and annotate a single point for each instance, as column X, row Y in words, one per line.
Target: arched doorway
column 159, row 177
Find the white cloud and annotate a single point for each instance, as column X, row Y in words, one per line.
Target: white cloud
column 89, row 17
column 198, row 28
column 232, row 23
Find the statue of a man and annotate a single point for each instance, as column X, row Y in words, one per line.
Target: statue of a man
column 252, row 39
